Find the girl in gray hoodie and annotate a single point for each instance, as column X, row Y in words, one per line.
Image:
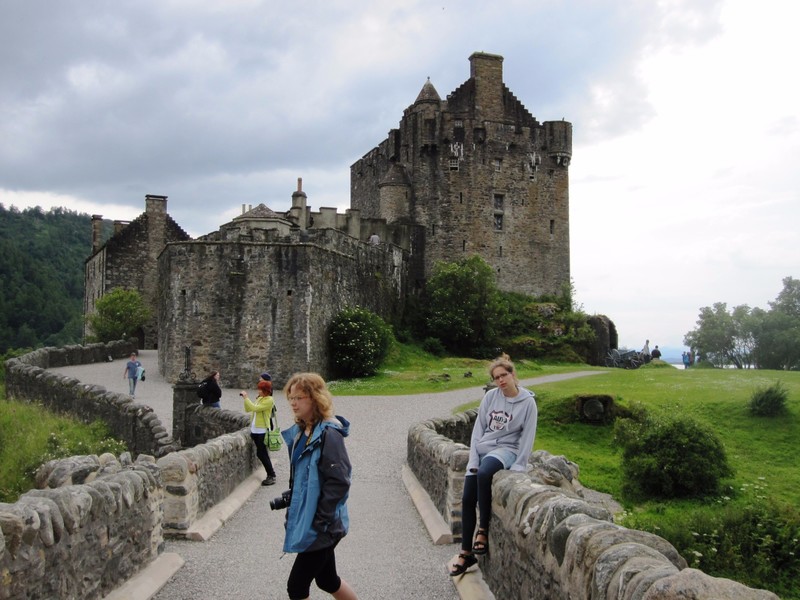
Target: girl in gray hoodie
column 502, row 438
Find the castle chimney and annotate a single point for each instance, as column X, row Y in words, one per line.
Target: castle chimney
column 155, row 205
column 299, row 204
column 243, row 208
column 97, row 232
column 487, row 71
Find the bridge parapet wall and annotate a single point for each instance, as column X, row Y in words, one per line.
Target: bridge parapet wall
column 82, row 540
column 27, row 379
column 551, row 538
column 103, row 499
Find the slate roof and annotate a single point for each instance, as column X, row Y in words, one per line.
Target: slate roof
column 428, row 93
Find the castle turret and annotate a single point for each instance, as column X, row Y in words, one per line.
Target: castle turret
column 395, row 193
column 558, row 140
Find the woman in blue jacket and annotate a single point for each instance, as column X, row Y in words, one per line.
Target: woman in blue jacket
column 316, row 518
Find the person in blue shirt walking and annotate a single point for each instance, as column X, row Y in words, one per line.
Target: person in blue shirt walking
column 316, row 515
column 132, row 373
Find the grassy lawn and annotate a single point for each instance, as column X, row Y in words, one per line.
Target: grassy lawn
column 759, row 449
column 409, row 370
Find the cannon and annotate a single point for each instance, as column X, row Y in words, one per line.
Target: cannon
column 629, row 359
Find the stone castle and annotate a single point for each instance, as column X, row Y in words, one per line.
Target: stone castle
column 475, row 173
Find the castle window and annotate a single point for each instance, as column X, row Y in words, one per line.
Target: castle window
column 461, row 197
column 459, row 123
column 463, row 245
column 288, row 292
column 498, row 165
column 500, row 254
column 498, row 201
column 498, row 222
column 454, row 164
column 433, row 229
column 552, row 226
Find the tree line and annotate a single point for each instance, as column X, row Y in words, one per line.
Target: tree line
column 751, row 337
column 41, row 265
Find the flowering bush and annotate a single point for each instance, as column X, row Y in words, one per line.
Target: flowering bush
column 359, row 342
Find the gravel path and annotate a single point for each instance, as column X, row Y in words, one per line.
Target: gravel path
column 387, row 554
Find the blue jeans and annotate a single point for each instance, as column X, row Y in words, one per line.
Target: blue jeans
column 478, row 492
column 132, row 385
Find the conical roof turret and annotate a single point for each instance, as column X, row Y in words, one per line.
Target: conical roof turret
column 396, row 175
column 428, row 93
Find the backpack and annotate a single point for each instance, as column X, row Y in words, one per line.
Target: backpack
column 202, row 390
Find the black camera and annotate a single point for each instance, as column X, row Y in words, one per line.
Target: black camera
column 282, row 502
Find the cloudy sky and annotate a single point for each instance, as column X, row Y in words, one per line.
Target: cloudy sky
column 686, row 117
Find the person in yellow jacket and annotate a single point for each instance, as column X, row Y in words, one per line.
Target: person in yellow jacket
column 262, row 410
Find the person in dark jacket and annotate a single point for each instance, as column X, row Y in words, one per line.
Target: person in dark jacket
column 316, row 517
column 211, row 391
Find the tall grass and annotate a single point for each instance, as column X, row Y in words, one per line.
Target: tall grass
column 30, row 436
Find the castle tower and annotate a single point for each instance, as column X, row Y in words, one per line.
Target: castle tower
column 482, row 176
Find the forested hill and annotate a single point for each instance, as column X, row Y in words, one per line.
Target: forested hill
column 41, row 269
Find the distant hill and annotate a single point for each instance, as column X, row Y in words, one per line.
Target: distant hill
column 41, row 263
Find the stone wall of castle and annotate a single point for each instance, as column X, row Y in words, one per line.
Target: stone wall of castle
column 265, row 303
column 548, row 541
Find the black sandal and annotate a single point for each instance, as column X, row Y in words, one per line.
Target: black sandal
column 461, row 568
column 481, row 547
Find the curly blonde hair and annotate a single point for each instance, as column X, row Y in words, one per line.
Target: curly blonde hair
column 316, row 388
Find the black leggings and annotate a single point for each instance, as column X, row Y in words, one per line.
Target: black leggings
column 478, row 491
column 262, row 453
column 319, row 565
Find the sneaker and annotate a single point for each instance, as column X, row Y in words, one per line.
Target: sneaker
column 269, row 481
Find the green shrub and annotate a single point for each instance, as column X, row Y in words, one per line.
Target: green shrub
column 669, row 458
column 561, row 353
column 524, row 346
column 769, row 401
column 657, row 363
column 750, row 539
column 433, row 346
column 359, row 341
